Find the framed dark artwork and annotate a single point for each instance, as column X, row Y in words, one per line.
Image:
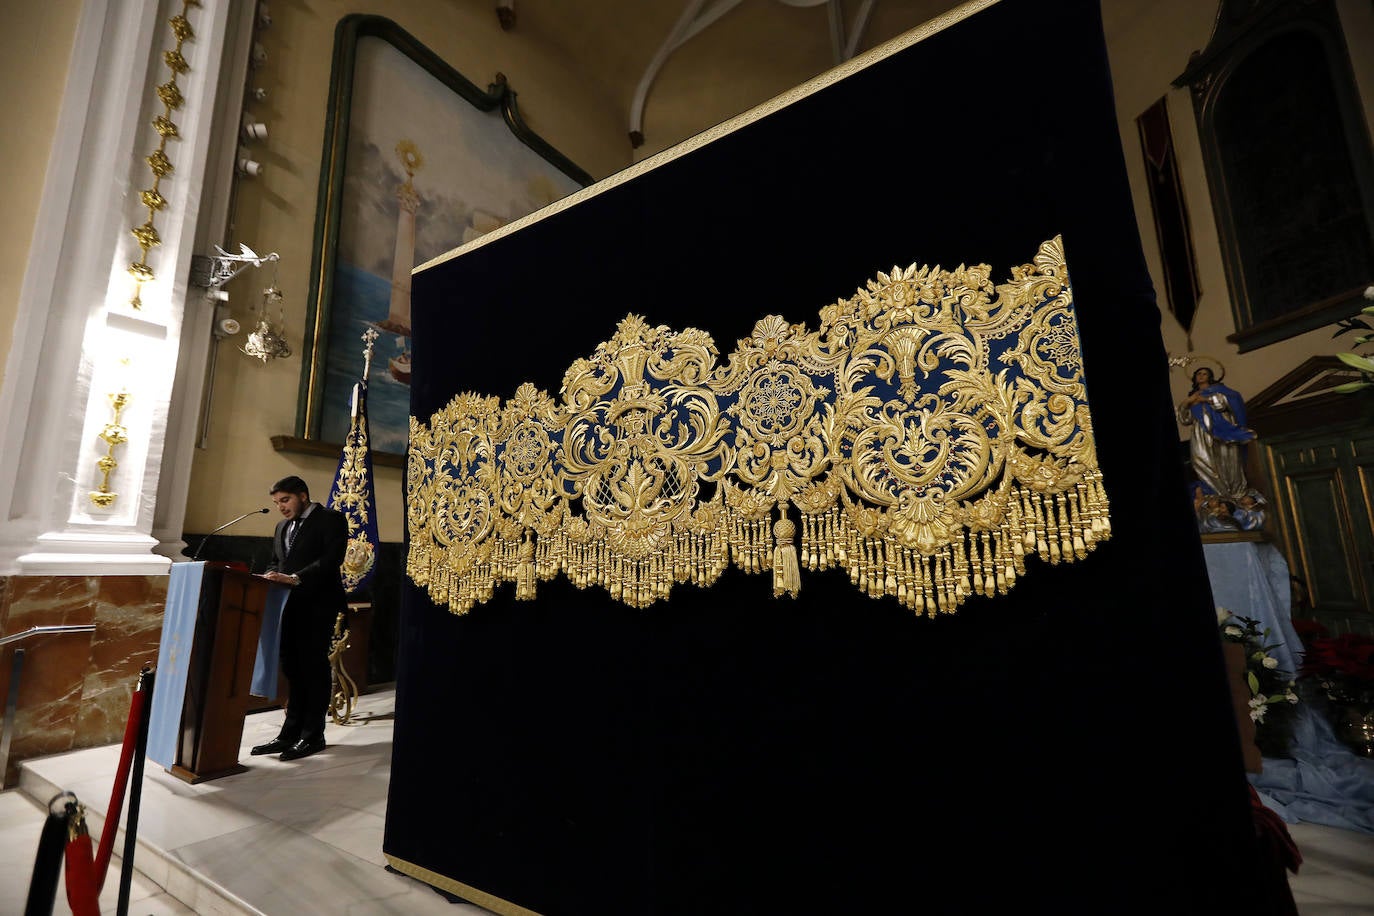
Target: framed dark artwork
column 417, row 161
column 1289, row 166
column 1170, row 211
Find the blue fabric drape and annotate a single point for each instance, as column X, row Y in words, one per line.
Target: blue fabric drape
column 173, row 660
column 1251, row 579
column 1325, row 782
column 269, row 645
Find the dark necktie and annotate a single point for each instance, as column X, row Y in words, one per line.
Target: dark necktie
column 291, row 530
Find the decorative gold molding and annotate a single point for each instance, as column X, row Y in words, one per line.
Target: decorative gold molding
column 170, row 95
column 113, row 434
column 932, row 433
column 466, row 891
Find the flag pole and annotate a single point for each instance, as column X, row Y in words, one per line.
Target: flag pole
column 369, row 338
column 353, row 494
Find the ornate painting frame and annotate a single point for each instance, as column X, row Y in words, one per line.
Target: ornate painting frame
column 335, row 304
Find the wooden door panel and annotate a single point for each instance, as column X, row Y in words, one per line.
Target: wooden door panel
column 1327, row 552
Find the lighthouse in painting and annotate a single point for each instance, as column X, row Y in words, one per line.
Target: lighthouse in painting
column 398, row 313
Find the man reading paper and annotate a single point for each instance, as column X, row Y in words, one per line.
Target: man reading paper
column 307, row 551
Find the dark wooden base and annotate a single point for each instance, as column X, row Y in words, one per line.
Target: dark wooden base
column 1232, row 537
column 180, row 772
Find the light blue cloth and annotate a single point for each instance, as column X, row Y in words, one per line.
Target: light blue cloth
column 1251, row 579
column 1324, row 783
column 269, row 645
column 173, row 661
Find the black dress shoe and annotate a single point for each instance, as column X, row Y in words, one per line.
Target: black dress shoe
column 275, row 746
column 303, row 748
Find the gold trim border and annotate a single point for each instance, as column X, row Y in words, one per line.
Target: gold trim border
column 797, row 93
column 466, row 891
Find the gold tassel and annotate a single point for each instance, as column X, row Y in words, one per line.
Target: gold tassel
column 524, row 574
column 1028, row 539
column 855, row 560
column 890, row 568
column 832, row 537
column 1042, row 547
column 1101, row 513
column 786, row 576
column 905, row 578
column 1061, row 503
column 924, row 592
column 948, row 581
column 438, row 586
column 875, row 568
column 989, row 563
column 1017, row 535
column 1080, row 547
column 961, row 583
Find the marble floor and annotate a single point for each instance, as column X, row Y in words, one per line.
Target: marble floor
column 305, row 837
column 300, row 837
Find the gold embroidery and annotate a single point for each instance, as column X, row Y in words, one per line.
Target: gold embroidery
column 932, row 433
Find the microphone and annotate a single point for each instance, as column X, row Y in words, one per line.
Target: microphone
column 196, row 555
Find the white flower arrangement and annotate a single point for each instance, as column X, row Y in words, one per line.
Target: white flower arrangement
column 1268, row 685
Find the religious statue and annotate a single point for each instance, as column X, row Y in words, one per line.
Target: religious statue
column 1222, row 495
column 1213, row 512
column 1249, row 512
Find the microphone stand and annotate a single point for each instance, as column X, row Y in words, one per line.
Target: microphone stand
column 196, row 555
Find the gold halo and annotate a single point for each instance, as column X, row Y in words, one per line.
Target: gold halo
column 1210, row 362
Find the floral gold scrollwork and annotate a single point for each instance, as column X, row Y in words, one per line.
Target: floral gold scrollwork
column 927, row 438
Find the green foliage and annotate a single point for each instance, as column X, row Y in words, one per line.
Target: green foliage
column 1357, row 361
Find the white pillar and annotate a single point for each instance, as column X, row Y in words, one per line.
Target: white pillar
column 80, row 345
column 403, row 255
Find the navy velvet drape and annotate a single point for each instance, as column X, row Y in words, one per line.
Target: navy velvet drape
column 1069, row 747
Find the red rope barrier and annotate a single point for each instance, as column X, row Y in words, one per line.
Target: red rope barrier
column 137, row 708
column 82, row 893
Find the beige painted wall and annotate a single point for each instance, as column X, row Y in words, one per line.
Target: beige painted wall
column 35, row 48
column 1145, row 58
column 694, row 91
column 276, row 212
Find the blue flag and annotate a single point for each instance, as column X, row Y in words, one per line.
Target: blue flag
column 354, row 494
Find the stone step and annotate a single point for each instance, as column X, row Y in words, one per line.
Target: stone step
column 39, row 781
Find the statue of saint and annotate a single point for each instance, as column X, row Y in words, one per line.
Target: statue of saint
column 1216, row 413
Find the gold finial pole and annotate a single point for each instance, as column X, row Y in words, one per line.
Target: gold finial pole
column 369, row 337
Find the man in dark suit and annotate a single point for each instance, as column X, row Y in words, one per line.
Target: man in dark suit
column 307, row 551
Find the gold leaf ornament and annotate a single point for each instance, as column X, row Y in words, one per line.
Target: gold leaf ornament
column 928, row 437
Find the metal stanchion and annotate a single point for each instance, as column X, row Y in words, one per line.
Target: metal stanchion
column 126, row 869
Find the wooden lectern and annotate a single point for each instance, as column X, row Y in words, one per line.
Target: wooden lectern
column 220, row 672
